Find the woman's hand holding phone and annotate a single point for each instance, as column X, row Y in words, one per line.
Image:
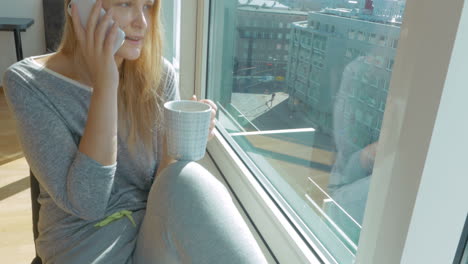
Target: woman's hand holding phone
column 96, row 44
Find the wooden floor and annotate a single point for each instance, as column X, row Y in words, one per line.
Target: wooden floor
column 16, row 243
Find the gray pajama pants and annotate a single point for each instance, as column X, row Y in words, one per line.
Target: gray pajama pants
column 190, row 218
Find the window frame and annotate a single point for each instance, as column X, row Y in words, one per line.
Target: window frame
column 394, row 221
column 170, row 13
column 462, row 249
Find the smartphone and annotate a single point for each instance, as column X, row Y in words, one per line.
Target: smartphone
column 84, row 10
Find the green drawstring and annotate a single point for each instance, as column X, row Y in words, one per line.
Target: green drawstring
column 116, row 216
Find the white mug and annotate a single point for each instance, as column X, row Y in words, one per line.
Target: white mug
column 187, row 123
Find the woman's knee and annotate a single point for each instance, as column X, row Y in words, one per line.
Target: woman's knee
column 190, row 177
column 203, row 220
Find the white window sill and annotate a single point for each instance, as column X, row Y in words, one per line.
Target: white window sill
column 272, row 227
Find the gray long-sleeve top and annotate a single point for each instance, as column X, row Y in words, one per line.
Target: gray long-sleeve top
column 76, row 191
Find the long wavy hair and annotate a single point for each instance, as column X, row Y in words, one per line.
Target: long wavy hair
column 140, row 91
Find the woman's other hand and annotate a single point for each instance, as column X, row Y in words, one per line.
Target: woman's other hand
column 368, row 155
column 214, row 109
column 96, row 46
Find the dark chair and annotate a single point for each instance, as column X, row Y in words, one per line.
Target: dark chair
column 35, row 210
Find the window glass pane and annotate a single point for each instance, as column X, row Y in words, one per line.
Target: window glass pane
column 170, row 17
column 461, row 256
column 306, row 110
column 465, row 255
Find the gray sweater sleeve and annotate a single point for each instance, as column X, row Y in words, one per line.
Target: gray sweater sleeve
column 78, row 184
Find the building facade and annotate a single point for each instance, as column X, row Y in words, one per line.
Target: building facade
column 303, row 5
column 333, row 43
column 262, row 45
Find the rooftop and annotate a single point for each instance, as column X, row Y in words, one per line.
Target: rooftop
column 271, row 10
column 263, row 3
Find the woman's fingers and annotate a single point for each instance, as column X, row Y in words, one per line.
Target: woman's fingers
column 214, row 109
column 211, row 103
column 77, row 27
column 212, row 124
column 101, row 30
column 213, row 120
column 92, row 23
column 211, row 129
column 110, row 40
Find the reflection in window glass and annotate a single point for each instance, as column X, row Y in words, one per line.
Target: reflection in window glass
column 307, row 109
column 465, row 256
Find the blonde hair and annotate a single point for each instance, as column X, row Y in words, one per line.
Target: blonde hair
column 140, row 95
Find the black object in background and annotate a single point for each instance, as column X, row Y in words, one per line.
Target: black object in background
column 53, row 22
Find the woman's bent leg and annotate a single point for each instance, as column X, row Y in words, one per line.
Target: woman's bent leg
column 190, row 218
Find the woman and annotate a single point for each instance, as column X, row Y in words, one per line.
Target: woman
column 90, row 126
column 356, row 146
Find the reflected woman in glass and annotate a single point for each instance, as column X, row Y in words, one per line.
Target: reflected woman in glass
column 357, row 118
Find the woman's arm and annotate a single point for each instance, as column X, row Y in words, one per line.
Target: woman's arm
column 99, row 140
column 77, row 183
column 166, row 160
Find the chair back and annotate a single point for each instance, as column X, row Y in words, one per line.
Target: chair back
column 35, row 210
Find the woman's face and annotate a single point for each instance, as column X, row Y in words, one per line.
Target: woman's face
column 134, row 18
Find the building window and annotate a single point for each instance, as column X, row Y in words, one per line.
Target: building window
column 382, row 40
column 361, row 36
column 373, row 38
column 390, row 64
column 351, row 34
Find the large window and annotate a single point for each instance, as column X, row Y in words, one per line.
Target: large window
column 309, row 118
column 338, row 129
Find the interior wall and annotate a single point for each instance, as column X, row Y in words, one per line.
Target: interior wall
column 33, row 40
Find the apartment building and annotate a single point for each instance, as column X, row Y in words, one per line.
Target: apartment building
column 329, row 45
